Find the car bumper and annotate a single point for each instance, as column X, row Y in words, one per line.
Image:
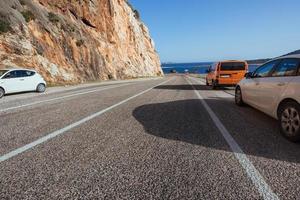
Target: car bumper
column 228, row 82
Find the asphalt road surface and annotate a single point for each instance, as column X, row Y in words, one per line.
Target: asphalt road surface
column 170, row 138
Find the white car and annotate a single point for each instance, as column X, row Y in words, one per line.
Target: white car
column 274, row 88
column 20, row 80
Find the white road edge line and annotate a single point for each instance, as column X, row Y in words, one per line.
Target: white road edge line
column 256, row 178
column 71, row 126
column 62, row 97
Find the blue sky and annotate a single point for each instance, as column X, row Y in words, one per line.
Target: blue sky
column 210, row 30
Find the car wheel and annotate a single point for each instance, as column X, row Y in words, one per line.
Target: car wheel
column 214, row 85
column 2, row 92
column 41, row 88
column 207, row 84
column 289, row 121
column 238, row 97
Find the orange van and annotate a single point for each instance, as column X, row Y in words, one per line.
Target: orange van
column 226, row 73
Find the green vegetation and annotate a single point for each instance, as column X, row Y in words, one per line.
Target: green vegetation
column 28, row 15
column 68, row 28
column 79, row 43
column 53, row 18
column 4, row 26
column 52, row 84
column 22, row 2
column 137, row 14
column 110, row 77
column 71, row 29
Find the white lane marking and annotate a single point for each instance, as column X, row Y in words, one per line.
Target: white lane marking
column 71, row 126
column 204, row 83
column 62, row 97
column 198, row 79
column 256, row 178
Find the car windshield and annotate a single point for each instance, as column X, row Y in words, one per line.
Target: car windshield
column 3, row 72
column 233, row 66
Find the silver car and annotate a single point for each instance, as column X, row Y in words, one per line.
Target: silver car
column 274, row 88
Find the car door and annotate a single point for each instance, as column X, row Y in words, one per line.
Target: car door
column 252, row 86
column 29, row 80
column 273, row 86
column 24, row 79
column 12, row 83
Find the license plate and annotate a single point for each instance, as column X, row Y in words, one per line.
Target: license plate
column 225, row 76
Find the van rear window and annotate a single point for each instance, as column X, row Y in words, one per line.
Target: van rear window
column 233, row 66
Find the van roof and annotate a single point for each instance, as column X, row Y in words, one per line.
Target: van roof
column 223, row 61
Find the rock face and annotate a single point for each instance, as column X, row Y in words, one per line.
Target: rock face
column 76, row 40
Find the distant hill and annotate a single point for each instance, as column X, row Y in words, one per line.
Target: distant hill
column 292, row 53
column 260, row 61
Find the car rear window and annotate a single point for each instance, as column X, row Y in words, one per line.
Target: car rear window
column 231, row 66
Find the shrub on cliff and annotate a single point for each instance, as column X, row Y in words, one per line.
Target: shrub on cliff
column 4, row 26
column 79, row 43
column 28, row 15
column 137, row 14
column 135, row 11
column 53, row 17
column 22, row 2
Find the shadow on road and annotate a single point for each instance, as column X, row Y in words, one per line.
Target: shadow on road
column 20, row 93
column 187, row 121
column 188, row 87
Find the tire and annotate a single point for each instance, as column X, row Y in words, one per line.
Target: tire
column 238, row 97
column 214, row 85
column 207, row 84
column 289, row 120
column 41, row 88
column 2, row 93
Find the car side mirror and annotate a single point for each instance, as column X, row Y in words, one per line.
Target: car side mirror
column 6, row 76
column 249, row 75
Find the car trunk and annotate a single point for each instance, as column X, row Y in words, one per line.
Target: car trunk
column 232, row 72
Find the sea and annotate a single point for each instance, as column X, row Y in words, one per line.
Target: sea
column 197, row 68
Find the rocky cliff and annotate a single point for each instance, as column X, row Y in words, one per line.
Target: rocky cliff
column 76, row 40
